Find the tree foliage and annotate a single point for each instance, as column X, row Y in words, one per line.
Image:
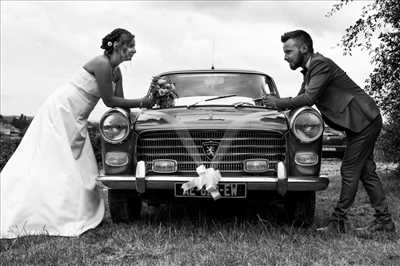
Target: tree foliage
column 22, row 123
column 378, row 31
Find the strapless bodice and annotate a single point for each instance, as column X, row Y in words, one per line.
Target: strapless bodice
column 86, row 82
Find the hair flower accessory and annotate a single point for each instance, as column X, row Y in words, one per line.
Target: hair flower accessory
column 163, row 92
column 109, row 44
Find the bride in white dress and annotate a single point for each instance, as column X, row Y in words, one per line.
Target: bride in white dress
column 48, row 185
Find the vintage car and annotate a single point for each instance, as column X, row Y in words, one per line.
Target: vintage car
column 333, row 143
column 217, row 121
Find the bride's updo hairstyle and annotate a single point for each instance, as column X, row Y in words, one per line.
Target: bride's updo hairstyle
column 118, row 35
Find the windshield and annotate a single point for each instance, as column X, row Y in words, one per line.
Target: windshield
column 216, row 84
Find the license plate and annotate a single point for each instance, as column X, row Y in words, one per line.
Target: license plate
column 227, row 190
column 328, row 149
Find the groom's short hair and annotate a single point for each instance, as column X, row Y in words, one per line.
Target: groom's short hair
column 299, row 35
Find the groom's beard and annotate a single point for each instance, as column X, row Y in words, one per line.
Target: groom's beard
column 297, row 62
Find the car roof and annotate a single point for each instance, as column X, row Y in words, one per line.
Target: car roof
column 194, row 71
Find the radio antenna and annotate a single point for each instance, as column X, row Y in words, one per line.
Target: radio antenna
column 213, row 51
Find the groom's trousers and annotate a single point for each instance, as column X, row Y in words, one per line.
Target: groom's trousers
column 358, row 164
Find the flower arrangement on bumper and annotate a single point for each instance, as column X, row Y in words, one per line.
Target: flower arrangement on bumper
column 163, row 92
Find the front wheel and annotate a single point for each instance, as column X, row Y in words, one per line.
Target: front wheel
column 300, row 208
column 125, row 205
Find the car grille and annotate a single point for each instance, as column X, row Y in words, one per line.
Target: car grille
column 188, row 148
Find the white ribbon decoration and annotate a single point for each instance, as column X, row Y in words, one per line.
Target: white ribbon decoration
column 208, row 177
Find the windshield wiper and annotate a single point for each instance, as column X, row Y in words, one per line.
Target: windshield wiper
column 211, row 99
column 244, row 104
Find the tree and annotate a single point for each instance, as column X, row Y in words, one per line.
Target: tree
column 378, row 31
column 22, row 123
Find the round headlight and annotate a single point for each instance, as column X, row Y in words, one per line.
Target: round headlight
column 114, row 126
column 307, row 125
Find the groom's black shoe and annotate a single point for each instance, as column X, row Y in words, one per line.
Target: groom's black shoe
column 378, row 225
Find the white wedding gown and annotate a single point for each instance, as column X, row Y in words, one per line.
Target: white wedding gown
column 49, row 184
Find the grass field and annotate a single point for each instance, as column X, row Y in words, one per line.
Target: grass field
column 163, row 237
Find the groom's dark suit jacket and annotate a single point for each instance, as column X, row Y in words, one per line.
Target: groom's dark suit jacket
column 342, row 103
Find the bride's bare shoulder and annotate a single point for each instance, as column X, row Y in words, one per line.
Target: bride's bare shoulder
column 97, row 62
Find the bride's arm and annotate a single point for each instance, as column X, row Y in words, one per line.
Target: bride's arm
column 119, row 92
column 103, row 75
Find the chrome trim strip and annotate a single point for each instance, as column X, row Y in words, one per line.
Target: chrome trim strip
column 223, row 179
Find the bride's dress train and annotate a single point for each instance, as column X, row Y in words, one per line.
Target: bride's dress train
column 49, row 184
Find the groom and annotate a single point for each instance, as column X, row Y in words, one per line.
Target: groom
column 344, row 106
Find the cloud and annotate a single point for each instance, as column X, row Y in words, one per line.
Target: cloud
column 44, row 43
column 302, row 14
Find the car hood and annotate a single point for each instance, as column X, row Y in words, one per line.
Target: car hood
column 211, row 118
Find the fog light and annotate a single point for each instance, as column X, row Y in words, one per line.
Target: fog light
column 164, row 166
column 256, row 165
column 116, row 158
column 306, row 158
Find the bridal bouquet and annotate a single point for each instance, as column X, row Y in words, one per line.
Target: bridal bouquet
column 163, row 92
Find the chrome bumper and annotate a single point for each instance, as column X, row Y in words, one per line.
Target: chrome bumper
column 281, row 184
column 253, row 183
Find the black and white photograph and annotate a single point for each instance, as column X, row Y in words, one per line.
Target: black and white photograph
column 259, row 132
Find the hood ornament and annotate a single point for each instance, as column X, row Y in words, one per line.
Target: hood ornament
column 210, row 148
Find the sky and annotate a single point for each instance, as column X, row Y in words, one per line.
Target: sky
column 44, row 43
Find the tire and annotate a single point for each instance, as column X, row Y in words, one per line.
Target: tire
column 125, row 205
column 300, row 208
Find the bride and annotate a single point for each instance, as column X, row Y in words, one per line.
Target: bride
column 48, row 185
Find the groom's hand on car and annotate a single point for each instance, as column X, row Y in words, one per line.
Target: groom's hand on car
column 268, row 101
